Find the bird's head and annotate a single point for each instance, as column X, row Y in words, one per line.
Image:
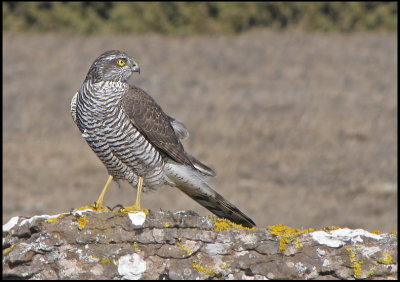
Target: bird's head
column 113, row 66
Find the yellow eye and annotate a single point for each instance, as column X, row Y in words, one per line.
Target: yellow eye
column 121, row 62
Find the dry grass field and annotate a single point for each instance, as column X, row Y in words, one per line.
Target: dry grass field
column 301, row 128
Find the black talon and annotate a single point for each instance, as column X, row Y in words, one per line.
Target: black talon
column 118, row 206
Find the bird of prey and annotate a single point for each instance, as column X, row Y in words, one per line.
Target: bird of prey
column 137, row 141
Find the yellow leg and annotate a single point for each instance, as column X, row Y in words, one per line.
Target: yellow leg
column 99, row 202
column 139, row 192
column 136, row 206
column 98, row 206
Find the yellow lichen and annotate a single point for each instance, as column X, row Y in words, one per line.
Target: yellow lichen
column 81, row 222
column 287, row 238
column 225, row 265
column 166, row 225
column 54, row 219
column 127, row 210
column 225, row 224
column 201, row 269
column 330, row 228
column 196, row 264
column 385, row 259
column 372, row 271
column 135, row 246
column 220, row 225
column 187, row 250
column 7, row 250
column 91, row 207
column 288, row 234
column 377, row 232
column 356, row 265
column 105, row 260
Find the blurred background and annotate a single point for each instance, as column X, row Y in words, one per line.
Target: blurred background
column 293, row 104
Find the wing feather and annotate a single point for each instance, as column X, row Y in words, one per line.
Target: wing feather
column 148, row 117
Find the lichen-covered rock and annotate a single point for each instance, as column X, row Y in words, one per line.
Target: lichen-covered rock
column 183, row 245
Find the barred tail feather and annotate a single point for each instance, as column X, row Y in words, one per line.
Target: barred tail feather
column 192, row 183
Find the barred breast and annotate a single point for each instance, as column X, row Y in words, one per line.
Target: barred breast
column 124, row 151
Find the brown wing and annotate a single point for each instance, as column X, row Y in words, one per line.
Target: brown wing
column 153, row 123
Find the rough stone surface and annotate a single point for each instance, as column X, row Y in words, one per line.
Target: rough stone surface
column 183, row 245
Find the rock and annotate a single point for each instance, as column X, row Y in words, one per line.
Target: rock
column 183, row 245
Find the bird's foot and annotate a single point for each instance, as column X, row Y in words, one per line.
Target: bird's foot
column 94, row 207
column 100, row 207
column 134, row 208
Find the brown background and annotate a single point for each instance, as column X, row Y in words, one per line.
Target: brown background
column 301, row 128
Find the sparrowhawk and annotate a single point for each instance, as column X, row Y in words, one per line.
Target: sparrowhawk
column 137, row 141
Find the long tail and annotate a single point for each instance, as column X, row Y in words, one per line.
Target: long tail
column 193, row 184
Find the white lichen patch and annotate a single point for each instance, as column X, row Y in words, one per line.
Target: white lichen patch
column 270, row 275
column 69, row 268
column 339, row 237
column 324, row 238
column 158, row 235
column 10, row 224
column 242, row 253
column 249, row 239
column 97, row 270
column 312, row 275
column 326, row 263
column 217, row 249
column 31, row 220
column 320, row 252
column 92, row 258
column 80, row 213
column 187, row 272
column 300, row 267
column 137, row 218
column 221, row 266
column 131, row 267
column 255, row 277
column 42, row 243
column 369, row 251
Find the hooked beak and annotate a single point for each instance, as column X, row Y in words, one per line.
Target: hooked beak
column 135, row 67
